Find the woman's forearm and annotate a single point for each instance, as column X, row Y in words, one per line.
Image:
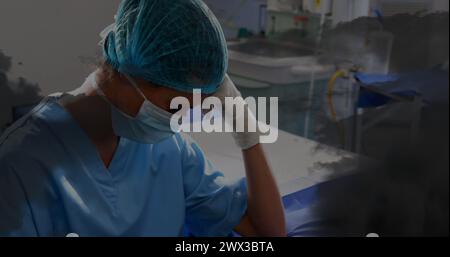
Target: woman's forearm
column 265, row 209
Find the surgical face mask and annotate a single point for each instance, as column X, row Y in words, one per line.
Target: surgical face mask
column 150, row 126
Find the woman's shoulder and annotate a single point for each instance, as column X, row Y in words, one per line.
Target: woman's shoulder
column 26, row 136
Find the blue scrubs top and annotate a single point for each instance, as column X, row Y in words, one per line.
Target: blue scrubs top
column 53, row 183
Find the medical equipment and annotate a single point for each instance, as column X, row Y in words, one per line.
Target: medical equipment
column 362, row 62
column 176, row 44
column 301, row 16
column 348, row 10
column 273, row 68
column 367, row 94
column 279, row 68
column 285, row 64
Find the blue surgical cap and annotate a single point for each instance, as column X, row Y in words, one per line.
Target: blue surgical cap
column 172, row 43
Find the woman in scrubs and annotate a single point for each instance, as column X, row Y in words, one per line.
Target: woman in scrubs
column 103, row 161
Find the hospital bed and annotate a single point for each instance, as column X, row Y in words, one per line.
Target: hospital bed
column 297, row 163
column 301, row 168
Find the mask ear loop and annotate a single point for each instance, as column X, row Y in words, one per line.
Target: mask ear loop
column 133, row 83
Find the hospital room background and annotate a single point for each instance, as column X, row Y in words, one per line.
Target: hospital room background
column 362, row 87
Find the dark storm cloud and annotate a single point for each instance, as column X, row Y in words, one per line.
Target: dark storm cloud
column 404, row 194
column 420, row 42
column 15, row 93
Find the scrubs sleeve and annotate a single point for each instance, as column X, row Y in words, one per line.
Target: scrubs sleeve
column 15, row 213
column 214, row 207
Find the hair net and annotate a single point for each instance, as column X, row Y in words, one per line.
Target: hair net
column 173, row 43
